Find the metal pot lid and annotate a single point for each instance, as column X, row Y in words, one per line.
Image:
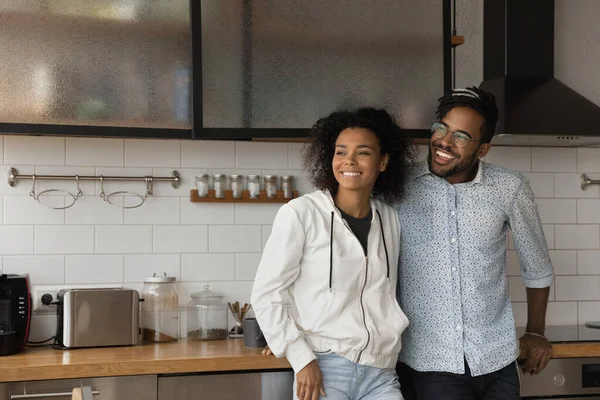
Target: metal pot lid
column 160, row 278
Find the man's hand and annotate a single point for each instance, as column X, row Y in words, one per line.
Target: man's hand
column 309, row 383
column 537, row 352
column 267, row 351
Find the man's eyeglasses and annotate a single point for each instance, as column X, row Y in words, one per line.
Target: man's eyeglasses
column 459, row 138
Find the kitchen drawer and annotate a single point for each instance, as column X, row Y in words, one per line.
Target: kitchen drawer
column 117, row 388
column 228, row 386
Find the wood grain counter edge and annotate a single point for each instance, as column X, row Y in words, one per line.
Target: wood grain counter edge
column 148, row 359
column 172, row 358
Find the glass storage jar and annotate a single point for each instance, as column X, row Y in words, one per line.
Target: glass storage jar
column 254, row 186
column 219, row 182
column 271, row 186
column 160, row 309
column 207, row 316
column 237, row 182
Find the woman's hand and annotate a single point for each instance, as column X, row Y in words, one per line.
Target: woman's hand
column 309, row 383
column 267, row 351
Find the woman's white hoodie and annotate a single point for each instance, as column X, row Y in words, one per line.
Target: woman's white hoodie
column 316, row 291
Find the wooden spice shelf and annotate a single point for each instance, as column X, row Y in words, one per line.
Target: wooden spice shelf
column 457, row 40
column 262, row 197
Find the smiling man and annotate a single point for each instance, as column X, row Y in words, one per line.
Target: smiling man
column 461, row 343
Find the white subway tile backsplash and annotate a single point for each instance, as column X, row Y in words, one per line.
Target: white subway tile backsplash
column 246, row 265
column 92, row 210
column 34, row 150
column 83, row 269
column 23, row 210
column 589, row 311
column 573, row 288
column 181, row 239
column 42, row 270
column 569, row 185
column 234, row 239
column 208, row 267
column 520, row 313
column 588, row 211
column 553, row 159
column 95, row 152
column 542, row 184
column 152, row 153
column 266, row 232
column 550, row 235
column 207, row 213
column 561, row 313
column 577, row 237
column 512, row 263
column 261, row 155
column 557, row 211
column 515, row 158
column 140, row 266
column 66, row 239
column 154, row 211
column 588, row 160
column 16, row 240
column 564, row 262
column 295, row 155
column 123, row 239
column 588, row 262
column 207, row 154
column 516, row 288
column 94, row 243
column 255, row 214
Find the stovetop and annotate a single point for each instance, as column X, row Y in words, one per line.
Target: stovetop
column 567, row 334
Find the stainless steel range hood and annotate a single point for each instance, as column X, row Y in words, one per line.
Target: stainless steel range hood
column 536, row 109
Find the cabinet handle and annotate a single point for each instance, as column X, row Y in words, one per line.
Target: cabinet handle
column 42, row 395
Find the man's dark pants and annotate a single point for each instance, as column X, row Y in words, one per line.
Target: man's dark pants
column 499, row 385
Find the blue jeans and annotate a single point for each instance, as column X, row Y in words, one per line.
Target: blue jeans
column 346, row 380
column 500, row 385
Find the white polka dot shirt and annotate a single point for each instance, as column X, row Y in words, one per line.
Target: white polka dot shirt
column 452, row 269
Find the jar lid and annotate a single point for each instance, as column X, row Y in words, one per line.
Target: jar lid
column 218, row 176
column 234, row 176
column 252, row 176
column 160, row 278
column 206, row 293
column 286, row 177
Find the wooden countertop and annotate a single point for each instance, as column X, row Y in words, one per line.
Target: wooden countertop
column 171, row 358
column 165, row 358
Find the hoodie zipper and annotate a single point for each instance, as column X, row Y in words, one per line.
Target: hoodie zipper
column 362, row 292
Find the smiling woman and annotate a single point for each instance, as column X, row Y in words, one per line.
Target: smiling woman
column 331, row 259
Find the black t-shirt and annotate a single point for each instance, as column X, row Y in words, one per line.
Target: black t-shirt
column 360, row 227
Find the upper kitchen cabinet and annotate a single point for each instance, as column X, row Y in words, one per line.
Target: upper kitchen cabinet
column 271, row 68
column 96, row 67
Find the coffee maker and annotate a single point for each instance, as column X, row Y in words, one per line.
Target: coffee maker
column 15, row 312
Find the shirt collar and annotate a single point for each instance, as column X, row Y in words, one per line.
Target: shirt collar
column 422, row 168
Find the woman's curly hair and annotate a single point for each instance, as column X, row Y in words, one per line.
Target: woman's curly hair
column 318, row 156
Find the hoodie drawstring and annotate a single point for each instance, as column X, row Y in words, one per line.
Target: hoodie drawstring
column 331, row 253
column 387, row 259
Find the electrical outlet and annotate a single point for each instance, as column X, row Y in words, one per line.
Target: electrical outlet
column 38, row 292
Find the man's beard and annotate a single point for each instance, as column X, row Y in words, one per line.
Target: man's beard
column 462, row 165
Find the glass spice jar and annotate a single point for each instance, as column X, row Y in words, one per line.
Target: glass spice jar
column 236, row 182
column 271, row 186
column 287, row 185
column 202, row 184
column 160, row 309
column 254, row 186
column 219, row 183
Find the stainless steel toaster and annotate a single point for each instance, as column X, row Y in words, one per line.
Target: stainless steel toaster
column 98, row 317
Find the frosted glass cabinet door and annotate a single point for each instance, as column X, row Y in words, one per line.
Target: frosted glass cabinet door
column 285, row 63
column 123, row 63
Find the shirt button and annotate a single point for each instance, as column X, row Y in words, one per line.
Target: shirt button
column 452, row 213
column 458, row 327
column 455, row 297
column 453, row 240
column 453, row 268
